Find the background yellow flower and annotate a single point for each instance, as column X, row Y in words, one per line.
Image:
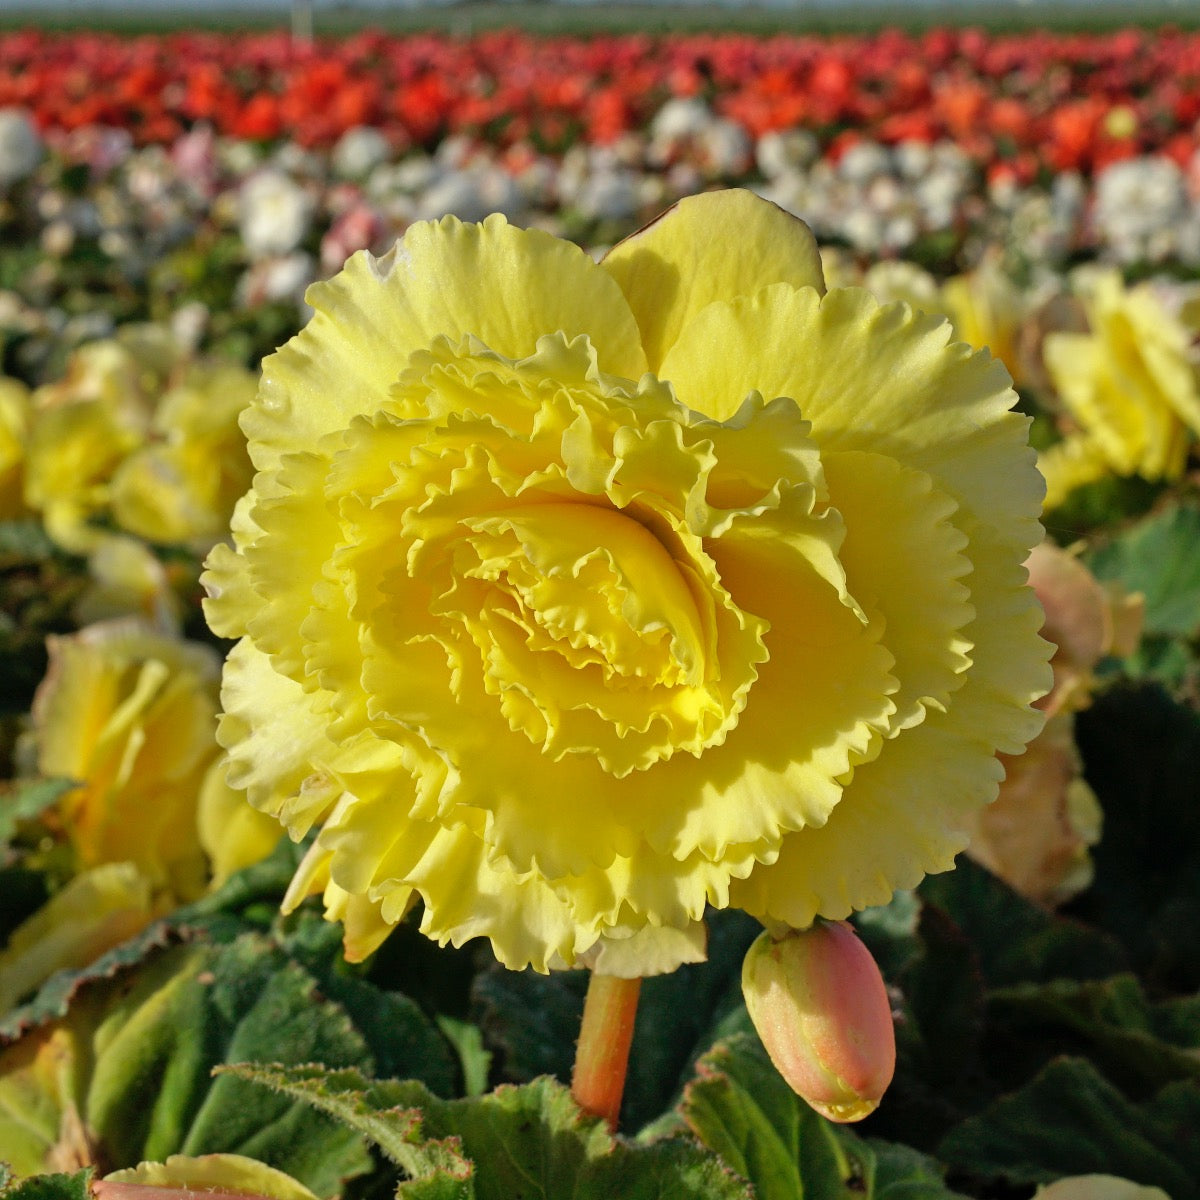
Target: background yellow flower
column 574, row 598
column 1128, row 385
column 129, row 714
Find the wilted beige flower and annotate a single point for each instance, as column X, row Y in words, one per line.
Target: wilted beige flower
column 1037, row 834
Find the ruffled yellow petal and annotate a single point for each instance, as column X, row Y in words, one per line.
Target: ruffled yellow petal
column 683, row 261
column 872, row 378
column 905, row 559
column 504, row 285
column 279, row 750
column 651, row 950
column 907, row 813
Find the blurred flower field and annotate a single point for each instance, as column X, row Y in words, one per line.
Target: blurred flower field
column 165, row 203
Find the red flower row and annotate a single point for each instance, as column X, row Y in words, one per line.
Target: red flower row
column 1034, row 100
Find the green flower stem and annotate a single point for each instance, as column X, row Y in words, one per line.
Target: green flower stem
column 602, row 1054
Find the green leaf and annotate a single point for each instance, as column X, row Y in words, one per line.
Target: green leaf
column 1158, row 558
column 1141, row 754
column 939, row 995
column 56, row 995
column 669, row 1169
column 1111, row 1022
column 389, row 1113
column 529, row 1141
column 49, row 1187
column 943, row 997
column 133, row 1056
column 739, row 1106
column 22, row 802
column 1015, row 940
column 24, row 541
column 476, row 1059
column 403, row 1041
column 1070, row 1120
column 531, row 1019
column 902, row 1173
column 1164, row 660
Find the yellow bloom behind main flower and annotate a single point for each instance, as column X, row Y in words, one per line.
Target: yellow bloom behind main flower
column 181, row 486
column 137, row 435
column 1128, row 385
column 14, row 422
column 129, row 713
column 574, row 598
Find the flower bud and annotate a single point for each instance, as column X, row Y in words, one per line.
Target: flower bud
column 819, row 1004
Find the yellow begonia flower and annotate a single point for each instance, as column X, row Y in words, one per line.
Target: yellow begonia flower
column 1129, row 386
column 82, row 427
column 988, row 311
column 72, row 453
column 127, row 579
column 14, row 424
column 133, row 433
column 129, row 714
column 576, row 597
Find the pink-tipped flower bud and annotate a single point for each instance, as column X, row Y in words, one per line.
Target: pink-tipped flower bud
column 820, row 1006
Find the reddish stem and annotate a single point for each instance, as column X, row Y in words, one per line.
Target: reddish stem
column 602, row 1054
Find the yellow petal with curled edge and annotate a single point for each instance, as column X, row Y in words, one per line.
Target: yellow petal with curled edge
column 683, row 261
column 906, row 559
column 906, row 813
column 875, row 378
column 504, row 285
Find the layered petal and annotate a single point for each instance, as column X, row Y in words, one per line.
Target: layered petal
column 681, row 262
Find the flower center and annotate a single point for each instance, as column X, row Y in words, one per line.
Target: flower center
column 545, row 547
